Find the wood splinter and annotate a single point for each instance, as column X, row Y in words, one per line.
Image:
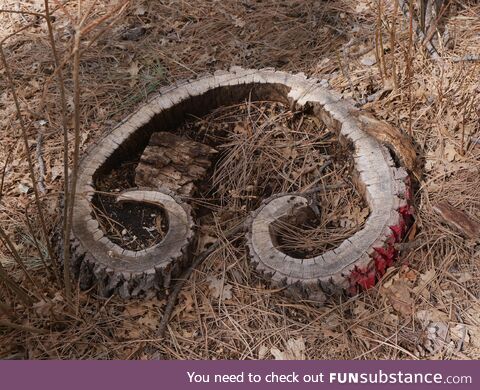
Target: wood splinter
column 458, row 220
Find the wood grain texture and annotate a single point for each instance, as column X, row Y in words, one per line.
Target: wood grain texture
column 173, row 162
column 458, row 219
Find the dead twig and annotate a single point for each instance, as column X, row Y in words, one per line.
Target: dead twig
column 406, row 7
column 40, row 162
column 24, row 137
column 25, row 328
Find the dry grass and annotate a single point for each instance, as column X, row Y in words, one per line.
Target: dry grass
column 246, row 319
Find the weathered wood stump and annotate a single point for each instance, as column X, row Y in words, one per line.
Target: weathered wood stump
column 355, row 264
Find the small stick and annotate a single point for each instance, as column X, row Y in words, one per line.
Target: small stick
column 405, row 6
column 467, row 58
column 172, row 299
column 41, row 163
column 24, row 328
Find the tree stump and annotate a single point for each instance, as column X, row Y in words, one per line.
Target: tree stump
column 354, row 265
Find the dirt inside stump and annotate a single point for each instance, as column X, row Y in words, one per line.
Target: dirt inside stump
column 131, row 225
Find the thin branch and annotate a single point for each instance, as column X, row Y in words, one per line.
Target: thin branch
column 61, row 86
column 76, row 153
column 406, row 7
column 27, row 152
column 40, row 162
column 14, row 287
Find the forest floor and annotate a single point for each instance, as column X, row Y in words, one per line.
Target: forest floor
column 426, row 306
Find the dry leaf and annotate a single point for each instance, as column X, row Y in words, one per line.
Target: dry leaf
column 219, row 290
column 56, row 171
column 262, row 352
column 423, row 282
column 431, row 315
column 133, row 310
column 362, row 7
column 464, row 277
column 294, row 350
column 140, row 9
column 450, row 152
column 242, row 128
column 356, row 217
column 185, row 308
column 399, row 296
column 47, row 308
column 409, row 275
column 459, row 333
column 149, row 320
column 435, row 336
column 359, row 309
column 368, row 59
column 238, row 22
column 133, row 72
column 22, row 188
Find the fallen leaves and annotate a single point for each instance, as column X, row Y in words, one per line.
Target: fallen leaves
column 362, row 6
column 450, row 152
column 294, row 349
column 47, row 308
column 435, row 331
column 219, row 290
column 139, row 319
column 399, row 296
column 133, row 70
column 407, row 286
column 23, row 188
column 356, row 217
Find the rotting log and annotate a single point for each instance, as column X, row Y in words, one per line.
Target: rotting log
column 354, row 265
column 173, row 162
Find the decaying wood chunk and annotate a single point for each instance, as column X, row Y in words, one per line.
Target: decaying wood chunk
column 458, row 219
column 173, row 162
column 392, row 137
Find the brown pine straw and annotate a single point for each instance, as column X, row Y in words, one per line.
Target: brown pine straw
column 186, row 38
